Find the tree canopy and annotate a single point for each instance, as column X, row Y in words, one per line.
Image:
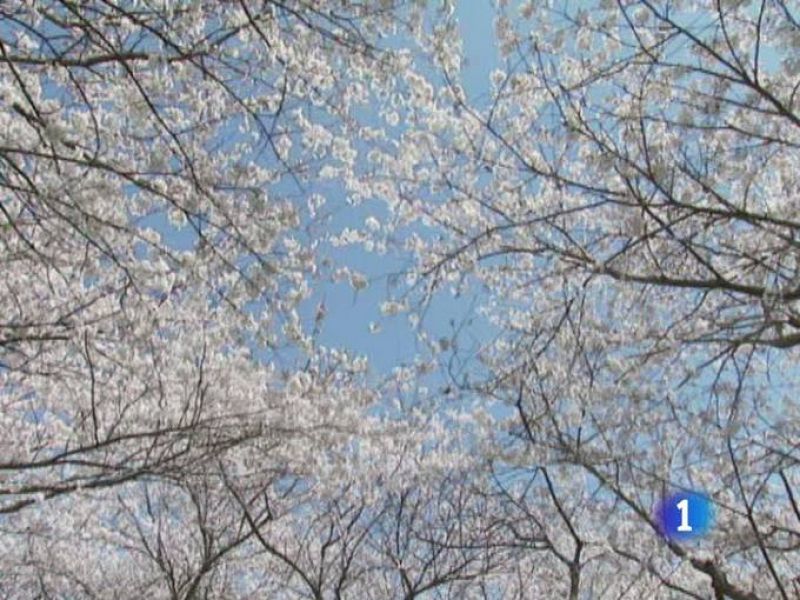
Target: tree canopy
column 181, row 181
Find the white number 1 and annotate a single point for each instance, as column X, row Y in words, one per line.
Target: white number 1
column 683, row 506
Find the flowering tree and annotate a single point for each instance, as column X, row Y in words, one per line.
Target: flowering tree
column 155, row 158
column 622, row 205
column 626, row 202
column 170, row 426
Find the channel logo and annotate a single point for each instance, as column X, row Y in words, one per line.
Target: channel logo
column 685, row 516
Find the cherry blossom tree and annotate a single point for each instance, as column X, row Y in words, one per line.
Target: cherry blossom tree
column 621, row 206
column 624, row 202
column 171, row 427
column 160, row 392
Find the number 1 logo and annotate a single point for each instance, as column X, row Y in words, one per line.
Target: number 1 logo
column 684, row 516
